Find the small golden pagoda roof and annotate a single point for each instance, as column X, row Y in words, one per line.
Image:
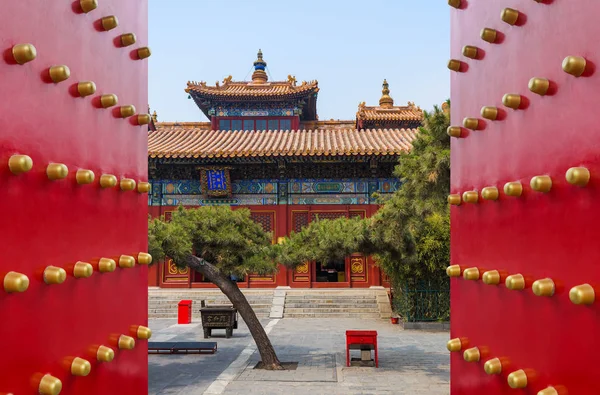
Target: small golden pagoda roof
column 386, row 111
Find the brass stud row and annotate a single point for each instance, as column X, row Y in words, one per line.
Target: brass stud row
column 516, row 380
column 579, row 176
column 19, row 164
column 15, row 282
column 580, row 294
column 80, row 367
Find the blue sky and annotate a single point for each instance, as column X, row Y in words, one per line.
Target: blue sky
column 348, row 46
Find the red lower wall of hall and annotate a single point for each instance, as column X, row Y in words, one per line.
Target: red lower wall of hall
column 359, row 271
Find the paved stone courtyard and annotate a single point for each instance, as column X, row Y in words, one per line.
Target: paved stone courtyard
column 410, row 362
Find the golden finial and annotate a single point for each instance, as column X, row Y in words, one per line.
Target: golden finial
column 386, row 100
column 259, row 76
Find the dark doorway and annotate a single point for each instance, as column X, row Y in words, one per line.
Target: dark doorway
column 331, row 272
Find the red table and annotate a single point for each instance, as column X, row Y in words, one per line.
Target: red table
column 360, row 339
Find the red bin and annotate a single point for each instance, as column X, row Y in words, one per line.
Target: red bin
column 184, row 312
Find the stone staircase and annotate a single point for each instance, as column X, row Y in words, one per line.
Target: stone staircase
column 162, row 303
column 347, row 303
column 299, row 303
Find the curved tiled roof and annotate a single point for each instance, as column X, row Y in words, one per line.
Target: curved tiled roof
column 176, row 142
column 396, row 113
column 245, row 89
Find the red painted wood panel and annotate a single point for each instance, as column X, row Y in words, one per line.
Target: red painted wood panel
column 540, row 235
column 60, row 222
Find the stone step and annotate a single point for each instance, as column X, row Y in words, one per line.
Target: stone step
column 331, row 305
column 208, row 302
column 330, row 296
column 329, row 310
column 333, row 315
column 330, row 301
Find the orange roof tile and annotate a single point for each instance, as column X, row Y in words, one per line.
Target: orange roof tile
column 179, row 142
column 252, row 89
column 396, row 113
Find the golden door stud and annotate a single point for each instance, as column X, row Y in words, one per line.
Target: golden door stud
column 23, row 53
column 80, row 367
column 517, row 379
column 144, row 52
column 143, row 333
column 513, row 189
column 106, row 265
column 108, row 100
column 470, row 51
column 454, row 345
column 472, row 355
column 105, row 354
column 454, row 3
column 83, row 270
column 88, row 5
column 126, row 261
column 579, row 176
column 493, row 366
column 548, row 391
column 127, row 184
column 490, row 113
column 143, row 187
column 574, row 65
column 512, row 100
column 50, row 385
column 543, row 287
column 516, row 282
column 470, row 197
column 454, row 65
column 510, row 16
column 144, row 258
column 109, row 22
column 539, row 85
column 541, row 183
column 126, row 342
column 54, row 275
column 489, row 193
column 471, row 123
column 127, row 111
column 582, row 294
column 143, row 119
column 15, row 282
column 491, row 277
column 59, row 73
column 84, row 176
column 108, row 181
column 128, row 39
column 454, row 131
column 86, row 88
column 57, row 171
column 471, row 273
column 489, row 35
column 453, row 271
column 454, row 199
column 20, row 164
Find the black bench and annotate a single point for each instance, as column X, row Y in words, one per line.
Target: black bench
column 182, row 347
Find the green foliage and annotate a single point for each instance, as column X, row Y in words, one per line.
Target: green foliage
column 411, row 231
column 229, row 239
column 324, row 240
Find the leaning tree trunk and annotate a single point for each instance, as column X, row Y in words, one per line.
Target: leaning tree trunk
column 239, row 301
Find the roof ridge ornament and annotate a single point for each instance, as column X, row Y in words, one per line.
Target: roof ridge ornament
column 259, row 76
column 386, row 100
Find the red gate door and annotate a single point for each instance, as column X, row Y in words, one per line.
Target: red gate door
column 73, row 171
column 525, row 188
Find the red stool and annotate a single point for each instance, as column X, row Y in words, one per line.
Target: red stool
column 361, row 340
